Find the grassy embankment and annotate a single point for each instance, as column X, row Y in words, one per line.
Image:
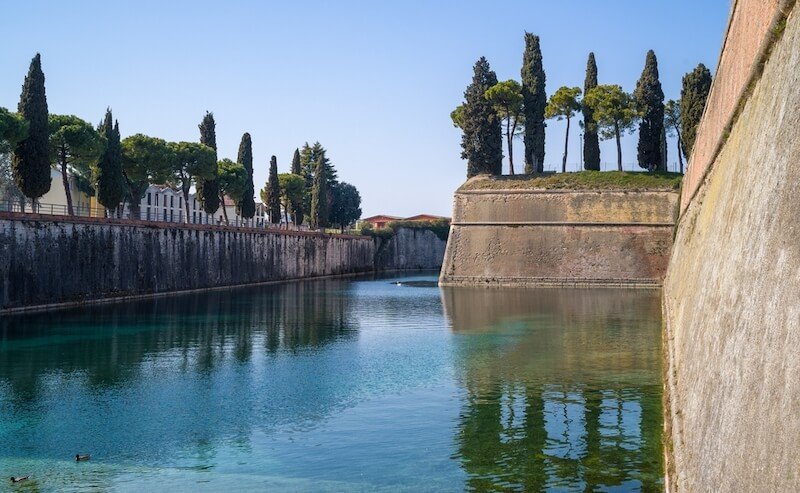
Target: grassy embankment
column 583, row 180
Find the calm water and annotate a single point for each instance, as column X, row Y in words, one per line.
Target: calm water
column 338, row 385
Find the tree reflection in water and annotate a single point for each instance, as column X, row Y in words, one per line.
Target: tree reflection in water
column 563, row 388
column 205, row 328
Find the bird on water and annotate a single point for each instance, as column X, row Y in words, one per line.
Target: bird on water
column 81, row 457
column 18, row 479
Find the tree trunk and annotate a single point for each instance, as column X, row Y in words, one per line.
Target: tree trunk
column 680, row 151
column 510, row 137
column 185, row 205
column 566, row 145
column 296, row 219
column 62, row 157
column 224, row 209
column 619, row 147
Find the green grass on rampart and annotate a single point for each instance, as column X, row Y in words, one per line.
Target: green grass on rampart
column 583, row 180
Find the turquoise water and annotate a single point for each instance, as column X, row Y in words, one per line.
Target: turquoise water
column 337, row 385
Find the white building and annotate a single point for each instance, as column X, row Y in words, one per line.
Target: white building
column 160, row 203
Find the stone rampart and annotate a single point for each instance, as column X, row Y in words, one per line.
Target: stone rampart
column 52, row 260
column 559, row 237
column 731, row 299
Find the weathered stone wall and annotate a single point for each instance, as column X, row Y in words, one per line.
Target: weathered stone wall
column 49, row 260
column 603, row 207
column 559, row 237
column 749, row 34
column 732, row 297
column 410, row 249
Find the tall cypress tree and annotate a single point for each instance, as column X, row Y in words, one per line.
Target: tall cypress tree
column 208, row 190
column 482, row 140
column 694, row 93
column 534, row 101
column 297, row 167
column 31, row 164
column 650, row 104
column 319, row 197
column 274, row 192
column 247, row 207
column 111, row 188
column 591, row 143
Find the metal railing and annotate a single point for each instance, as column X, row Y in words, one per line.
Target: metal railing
column 152, row 214
column 147, row 214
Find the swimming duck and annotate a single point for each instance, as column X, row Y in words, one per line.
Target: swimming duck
column 17, row 479
column 80, row 457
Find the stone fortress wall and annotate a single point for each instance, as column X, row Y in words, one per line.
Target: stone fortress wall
column 49, row 261
column 731, row 302
column 528, row 237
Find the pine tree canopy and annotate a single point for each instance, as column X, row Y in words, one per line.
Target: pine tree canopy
column 191, row 161
column 75, row 147
column 13, row 129
column 293, row 191
column 345, row 205
column 233, row 179
column 563, row 103
column 506, row 98
column 145, row 160
column 614, row 113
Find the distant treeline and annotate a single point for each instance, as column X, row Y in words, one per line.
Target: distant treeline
column 118, row 171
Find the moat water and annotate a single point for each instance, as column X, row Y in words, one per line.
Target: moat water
column 338, row 385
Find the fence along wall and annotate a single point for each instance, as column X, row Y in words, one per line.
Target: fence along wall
column 50, row 260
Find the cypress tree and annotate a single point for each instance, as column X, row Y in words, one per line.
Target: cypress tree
column 297, row 167
column 319, row 197
column 31, row 164
column 208, row 190
column 482, row 140
column 650, row 104
column 534, row 101
column 591, row 142
column 111, row 188
column 247, row 207
column 274, row 204
column 694, row 92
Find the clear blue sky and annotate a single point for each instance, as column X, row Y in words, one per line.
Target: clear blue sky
column 373, row 81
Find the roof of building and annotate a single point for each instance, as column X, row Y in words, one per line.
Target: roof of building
column 382, row 216
column 425, row 217
column 418, row 217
